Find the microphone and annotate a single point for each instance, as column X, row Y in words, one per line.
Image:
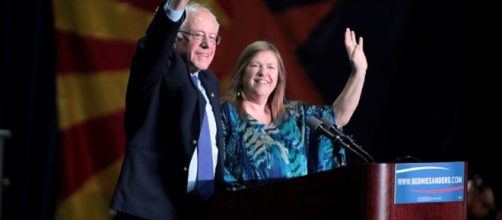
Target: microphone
column 316, row 124
column 332, row 127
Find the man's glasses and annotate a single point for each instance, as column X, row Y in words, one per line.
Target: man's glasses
column 201, row 36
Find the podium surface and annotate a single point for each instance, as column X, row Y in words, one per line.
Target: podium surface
column 355, row 192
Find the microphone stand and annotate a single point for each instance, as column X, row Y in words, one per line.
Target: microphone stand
column 340, row 135
column 358, row 147
column 365, row 156
column 316, row 124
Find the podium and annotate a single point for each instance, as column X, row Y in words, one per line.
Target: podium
column 364, row 192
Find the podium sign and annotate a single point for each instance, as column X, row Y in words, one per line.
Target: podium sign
column 356, row 192
column 429, row 182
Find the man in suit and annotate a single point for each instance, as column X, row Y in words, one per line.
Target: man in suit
column 172, row 112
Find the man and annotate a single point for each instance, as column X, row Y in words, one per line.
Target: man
column 172, row 103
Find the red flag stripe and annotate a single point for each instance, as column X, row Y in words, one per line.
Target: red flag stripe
column 94, row 54
column 142, row 4
column 226, row 5
column 90, row 147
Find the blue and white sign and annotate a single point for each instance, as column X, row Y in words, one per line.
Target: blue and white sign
column 429, row 182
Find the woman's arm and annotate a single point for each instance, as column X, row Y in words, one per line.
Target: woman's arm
column 346, row 103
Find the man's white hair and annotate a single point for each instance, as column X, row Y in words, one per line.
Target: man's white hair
column 193, row 7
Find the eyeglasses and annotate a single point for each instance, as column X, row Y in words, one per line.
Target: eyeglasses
column 201, row 36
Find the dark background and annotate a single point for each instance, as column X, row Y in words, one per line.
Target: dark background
column 415, row 100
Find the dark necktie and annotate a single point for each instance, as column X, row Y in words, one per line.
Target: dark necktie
column 205, row 177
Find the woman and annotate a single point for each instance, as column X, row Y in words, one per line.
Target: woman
column 265, row 135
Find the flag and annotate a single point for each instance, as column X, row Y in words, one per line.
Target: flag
column 95, row 42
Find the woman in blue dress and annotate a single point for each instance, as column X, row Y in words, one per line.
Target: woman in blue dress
column 266, row 137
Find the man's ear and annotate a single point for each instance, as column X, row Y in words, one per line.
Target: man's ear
column 176, row 42
column 178, row 38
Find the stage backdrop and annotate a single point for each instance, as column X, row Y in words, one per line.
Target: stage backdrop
column 412, row 102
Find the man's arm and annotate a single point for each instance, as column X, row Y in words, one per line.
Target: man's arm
column 177, row 5
column 174, row 9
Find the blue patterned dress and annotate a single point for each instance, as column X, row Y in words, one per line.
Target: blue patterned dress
column 256, row 153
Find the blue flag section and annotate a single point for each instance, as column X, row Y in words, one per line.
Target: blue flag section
column 429, row 182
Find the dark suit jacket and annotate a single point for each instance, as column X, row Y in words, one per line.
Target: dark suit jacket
column 162, row 119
